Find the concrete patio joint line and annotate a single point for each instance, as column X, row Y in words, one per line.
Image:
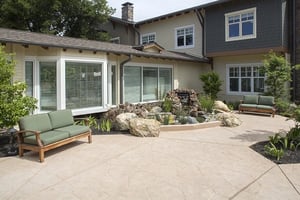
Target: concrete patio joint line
column 289, row 180
column 252, row 182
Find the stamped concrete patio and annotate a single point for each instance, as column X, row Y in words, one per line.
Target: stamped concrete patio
column 211, row 163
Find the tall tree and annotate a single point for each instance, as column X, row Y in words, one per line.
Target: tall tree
column 74, row 18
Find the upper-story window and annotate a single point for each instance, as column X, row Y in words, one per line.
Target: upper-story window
column 148, row 38
column 240, row 25
column 184, row 37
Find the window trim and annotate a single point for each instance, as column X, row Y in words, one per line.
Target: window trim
column 184, row 46
column 148, row 35
column 89, row 110
column 240, row 37
column 228, row 66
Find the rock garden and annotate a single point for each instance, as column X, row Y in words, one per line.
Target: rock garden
column 181, row 107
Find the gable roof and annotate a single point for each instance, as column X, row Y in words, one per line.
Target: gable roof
column 45, row 40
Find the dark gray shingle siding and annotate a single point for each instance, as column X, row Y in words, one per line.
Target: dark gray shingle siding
column 268, row 32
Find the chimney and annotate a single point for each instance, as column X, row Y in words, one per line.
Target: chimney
column 127, row 11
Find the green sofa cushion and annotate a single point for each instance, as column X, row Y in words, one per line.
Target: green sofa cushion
column 250, row 99
column 61, row 118
column 264, row 107
column 74, row 129
column 48, row 137
column 248, row 105
column 266, row 100
column 38, row 122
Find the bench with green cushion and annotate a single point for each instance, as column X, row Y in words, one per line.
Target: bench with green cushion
column 258, row 103
column 42, row 132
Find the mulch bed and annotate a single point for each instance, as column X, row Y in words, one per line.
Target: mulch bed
column 289, row 157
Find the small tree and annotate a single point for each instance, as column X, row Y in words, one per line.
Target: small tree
column 212, row 84
column 13, row 103
column 278, row 73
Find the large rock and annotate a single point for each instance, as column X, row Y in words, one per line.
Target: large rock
column 156, row 109
column 229, row 119
column 219, row 105
column 144, row 127
column 123, row 120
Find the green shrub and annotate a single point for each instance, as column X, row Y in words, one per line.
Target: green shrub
column 206, row 103
column 212, row 84
column 167, row 105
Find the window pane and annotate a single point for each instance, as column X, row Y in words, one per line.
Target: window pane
column 113, row 85
column 150, row 77
column 234, row 30
column 48, row 86
column 189, row 40
column 246, row 84
column 83, row 85
column 247, row 28
column 234, row 72
column 29, row 77
column 132, row 84
column 259, row 84
column 180, row 41
column 234, row 84
column 165, row 81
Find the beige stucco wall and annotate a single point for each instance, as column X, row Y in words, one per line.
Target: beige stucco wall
column 165, row 32
column 220, row 67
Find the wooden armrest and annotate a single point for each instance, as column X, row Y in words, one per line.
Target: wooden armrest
column 241, row 101
column 20, row 135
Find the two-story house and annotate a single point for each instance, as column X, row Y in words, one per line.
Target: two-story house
column 234, row 35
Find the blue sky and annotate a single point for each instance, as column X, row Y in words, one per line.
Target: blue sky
column 145, row 9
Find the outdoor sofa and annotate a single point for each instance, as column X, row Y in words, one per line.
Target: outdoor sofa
column 43, row 132
column 258, row 103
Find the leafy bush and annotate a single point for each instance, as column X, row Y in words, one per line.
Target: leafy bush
column 13, row 103
column 212, row 84
column 167, row 105
column 206, row 103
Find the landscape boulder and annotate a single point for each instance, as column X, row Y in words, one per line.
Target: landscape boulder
column 228, row 119
column 144, row 127
column 219, row 105
column 123, row 119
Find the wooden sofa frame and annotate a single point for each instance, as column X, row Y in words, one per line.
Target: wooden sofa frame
column 41, row 149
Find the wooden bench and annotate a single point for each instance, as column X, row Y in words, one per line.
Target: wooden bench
column 258, row 103
column 43, row 132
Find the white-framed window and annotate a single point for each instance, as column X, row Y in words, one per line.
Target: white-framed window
column 148, row 38
column 144, row 83
column 240, row 25
column 83, row 84
column 58, row 83
column 184, row 37
column 245, row 78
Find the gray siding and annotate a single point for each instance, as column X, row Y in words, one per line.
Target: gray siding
column 269, row 22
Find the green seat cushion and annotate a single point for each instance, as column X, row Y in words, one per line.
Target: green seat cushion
column 74, row 129
column 61, row 118
column 266, row 100
column 264, row 107
column 38, row 122
column 248, row 105
column 48, row 137
column 250, row 99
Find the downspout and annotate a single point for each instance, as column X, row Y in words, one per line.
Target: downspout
column 138, row 34
column 122, row 77
column 202, row 23
column 293, row 46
